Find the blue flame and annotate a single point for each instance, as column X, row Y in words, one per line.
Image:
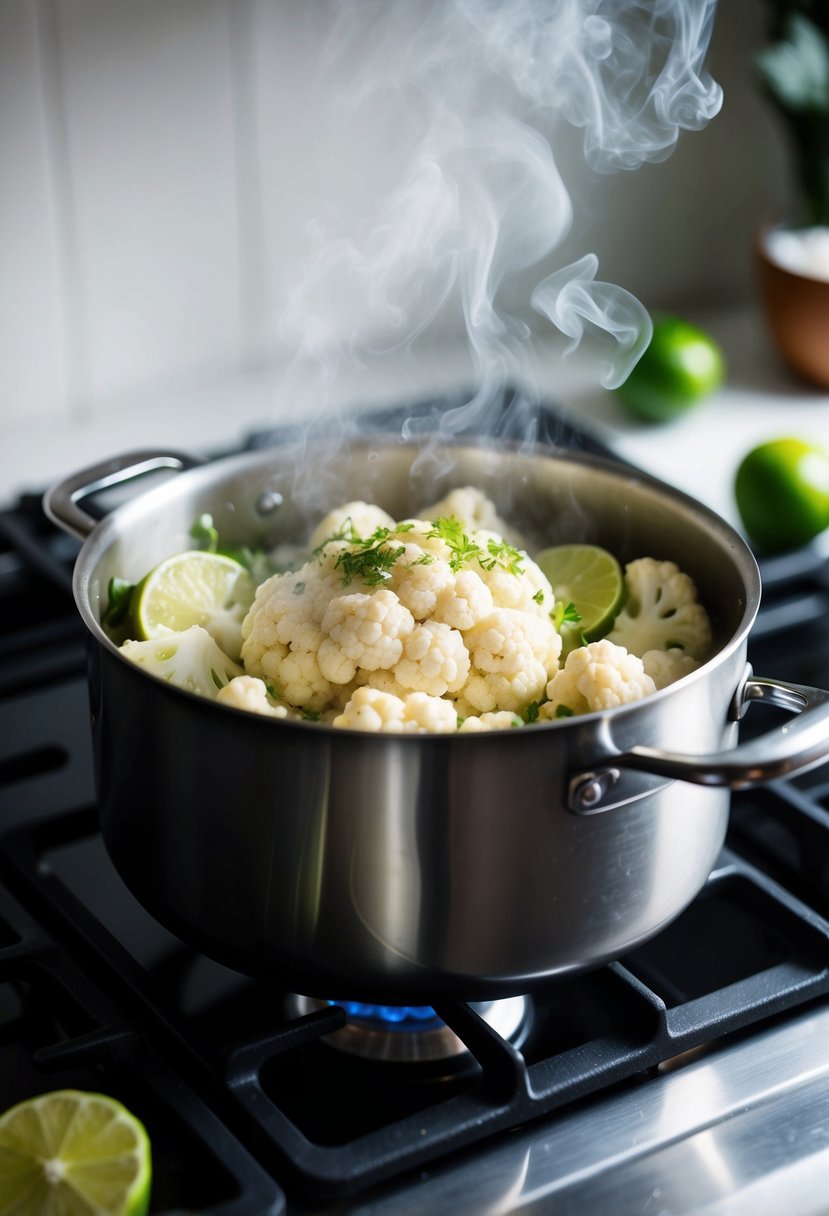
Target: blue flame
column 398, row 1017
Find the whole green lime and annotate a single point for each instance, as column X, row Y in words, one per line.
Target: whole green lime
column 782, row 493
column 680, row 367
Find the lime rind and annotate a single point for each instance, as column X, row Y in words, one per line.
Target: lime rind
column 194, row 588
column 73, row 1152
column 590, row 578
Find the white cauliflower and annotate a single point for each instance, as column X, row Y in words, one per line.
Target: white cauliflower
column 435, row 660
column 661, row 611
column 502, row 720
column 190, row 659
column 414, row 607
column 666, row 666
column 250, row 693
column 357, row 518
column 512, row 654
column 372, row 710
column 475, row 511
column 362, row 630
column 598, row 676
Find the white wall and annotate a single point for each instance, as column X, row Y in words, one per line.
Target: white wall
column 160, row 161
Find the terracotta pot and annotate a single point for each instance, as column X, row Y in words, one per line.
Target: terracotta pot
column 797, row 309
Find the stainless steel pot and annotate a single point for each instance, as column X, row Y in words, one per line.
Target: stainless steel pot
column 412, row 868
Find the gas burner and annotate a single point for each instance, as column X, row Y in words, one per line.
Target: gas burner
column 414, row 1033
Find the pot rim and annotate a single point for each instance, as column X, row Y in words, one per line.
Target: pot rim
column 97, row 542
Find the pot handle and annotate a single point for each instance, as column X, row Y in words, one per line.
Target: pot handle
column 791, row 748
column 60, row 503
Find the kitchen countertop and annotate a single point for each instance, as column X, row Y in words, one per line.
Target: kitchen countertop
column 698, row 452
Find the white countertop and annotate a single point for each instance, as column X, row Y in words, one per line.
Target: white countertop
column 698, row 453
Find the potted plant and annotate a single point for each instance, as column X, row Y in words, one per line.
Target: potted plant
column 793, row 70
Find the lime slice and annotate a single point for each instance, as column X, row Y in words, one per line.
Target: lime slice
column 589, row 578
column 194, row 588
column 69, row 1153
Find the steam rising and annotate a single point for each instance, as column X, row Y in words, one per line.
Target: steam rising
column 489, row 86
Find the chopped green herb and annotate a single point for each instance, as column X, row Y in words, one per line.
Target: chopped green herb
column 531, row 712
column 516, row 721
column 450, row 531
column 564, row 711
column 310, row 715
column 460, row 721
column 565, row 614
column 373, row 565
column 204, row 533
column 346, row 531
column 505, row 555
column 119, row 596
column 539, row 596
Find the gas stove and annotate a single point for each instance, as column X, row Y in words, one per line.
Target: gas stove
column 689, row 1076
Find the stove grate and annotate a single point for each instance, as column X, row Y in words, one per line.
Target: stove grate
column 626, row 1020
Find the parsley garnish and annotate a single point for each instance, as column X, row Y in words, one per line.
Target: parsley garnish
column 463, row 550
column 372, row 563
column 564, row 711
column 531, row 712
column 310, row 715
column 539, row 596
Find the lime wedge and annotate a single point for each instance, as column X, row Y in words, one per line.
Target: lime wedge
column 194, row 588
column 589, row 578
column 69, row 1153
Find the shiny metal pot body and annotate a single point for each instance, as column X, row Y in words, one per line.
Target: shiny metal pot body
column 411, row 868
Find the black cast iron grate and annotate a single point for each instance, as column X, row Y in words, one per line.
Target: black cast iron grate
column 58, row 1031
column 745, row 951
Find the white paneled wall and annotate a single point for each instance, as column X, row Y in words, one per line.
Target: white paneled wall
column 161, row 160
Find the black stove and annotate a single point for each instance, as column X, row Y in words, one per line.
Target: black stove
column 259, row 1102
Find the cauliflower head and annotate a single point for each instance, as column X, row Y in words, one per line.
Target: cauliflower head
column 598, row 676
column 662, row 611
column 413, row 607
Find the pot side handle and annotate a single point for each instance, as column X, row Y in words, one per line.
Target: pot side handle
column 60, row 503
column 794, row 747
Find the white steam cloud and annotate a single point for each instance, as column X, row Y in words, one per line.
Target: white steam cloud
column 487, row 84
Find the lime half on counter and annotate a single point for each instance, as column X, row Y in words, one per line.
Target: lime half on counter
column 70, row 1153
column 588, row 577
column 194, row 588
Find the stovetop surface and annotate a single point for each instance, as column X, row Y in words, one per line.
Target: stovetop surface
column 657, row 1071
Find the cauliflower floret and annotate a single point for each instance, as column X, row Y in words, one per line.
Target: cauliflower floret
column 190, row 659
column 661, row 611
column 365, row 631
column 512, row 655
column 464, row 602
column 516, row 584
column 475, row 511
column 361, row 518
column 419, row 578
column 250, row 693
column 381, row 712
column 666, row 666
column 435, row 660
column 282, row 635
column 600, row 675
column 502, row 720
